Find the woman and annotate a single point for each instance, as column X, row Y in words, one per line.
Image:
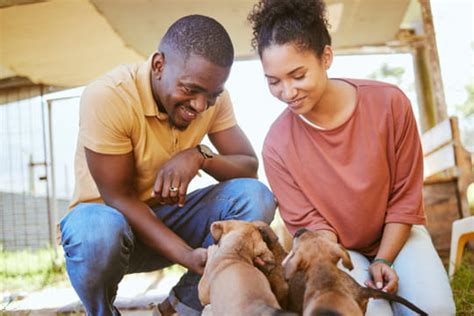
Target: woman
column 345, row 158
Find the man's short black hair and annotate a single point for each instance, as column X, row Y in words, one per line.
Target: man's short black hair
column 202, row 36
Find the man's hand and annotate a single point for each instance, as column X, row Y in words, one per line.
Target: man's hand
column 383, row 277
column 171, row 184
column 196, row 260
column 114, row 176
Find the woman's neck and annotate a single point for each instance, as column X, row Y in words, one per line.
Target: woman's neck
column 335, row 105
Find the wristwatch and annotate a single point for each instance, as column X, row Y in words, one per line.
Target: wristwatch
column 205, row 151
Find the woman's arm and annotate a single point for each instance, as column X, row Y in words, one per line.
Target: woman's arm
column 405, row 205
column 383, row 276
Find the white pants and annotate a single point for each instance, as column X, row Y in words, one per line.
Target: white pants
column 422, row 278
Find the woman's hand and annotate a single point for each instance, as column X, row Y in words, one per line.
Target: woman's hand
column 383, row 277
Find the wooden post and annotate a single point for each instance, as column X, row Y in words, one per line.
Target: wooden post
column 424, row 87
column 432, row 60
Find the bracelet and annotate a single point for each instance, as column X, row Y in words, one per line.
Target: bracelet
column 383, row 261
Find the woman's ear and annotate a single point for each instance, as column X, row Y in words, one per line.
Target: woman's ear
column 327, row 57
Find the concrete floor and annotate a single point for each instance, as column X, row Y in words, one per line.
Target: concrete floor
column 136, row 294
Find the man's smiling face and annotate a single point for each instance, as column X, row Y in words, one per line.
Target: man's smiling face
column 185, row 87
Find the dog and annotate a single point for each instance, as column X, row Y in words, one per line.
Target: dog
column 288, row 293
column 231, row 283
column 329, row 290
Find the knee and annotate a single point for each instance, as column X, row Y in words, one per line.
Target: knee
column 258, row 201
column 93, row 231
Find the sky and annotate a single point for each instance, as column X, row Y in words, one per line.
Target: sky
column 454, row 27
column 256, row 109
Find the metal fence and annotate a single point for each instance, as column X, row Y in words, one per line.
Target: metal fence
column 30, row 202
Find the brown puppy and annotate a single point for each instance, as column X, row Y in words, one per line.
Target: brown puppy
column 231, row 283
column 329, row 290
column 288, row 293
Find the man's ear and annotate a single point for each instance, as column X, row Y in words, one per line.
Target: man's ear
column 217, row 229
column 157, row 64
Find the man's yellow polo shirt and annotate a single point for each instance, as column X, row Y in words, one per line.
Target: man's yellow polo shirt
column 118, row 115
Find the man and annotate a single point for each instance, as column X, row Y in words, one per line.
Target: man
column 138, row 149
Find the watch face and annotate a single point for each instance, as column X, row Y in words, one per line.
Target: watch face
column 206, row 151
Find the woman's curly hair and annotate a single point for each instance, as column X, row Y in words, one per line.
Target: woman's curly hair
column 299, row 22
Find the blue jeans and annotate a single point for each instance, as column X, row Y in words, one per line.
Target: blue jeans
column 100, row 247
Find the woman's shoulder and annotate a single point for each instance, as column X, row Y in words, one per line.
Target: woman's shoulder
column 380, row 96
column 284, row 121
column 367, row 83
column 279, row 132
column 375, row 86
column 382, row 99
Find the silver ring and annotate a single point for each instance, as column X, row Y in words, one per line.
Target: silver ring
column 173, row 189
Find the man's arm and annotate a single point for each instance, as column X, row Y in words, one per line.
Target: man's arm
column 114, row 176
column 236, row 157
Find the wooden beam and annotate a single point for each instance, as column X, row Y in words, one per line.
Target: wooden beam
column 432, row 60
column 424, row 87
column 9, row 3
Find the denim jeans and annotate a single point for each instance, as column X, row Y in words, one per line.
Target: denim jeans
column 100, row 247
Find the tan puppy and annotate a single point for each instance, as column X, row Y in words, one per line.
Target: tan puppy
column 329, row 290
column 231, row 283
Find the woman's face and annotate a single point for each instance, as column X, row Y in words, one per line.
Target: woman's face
column 295, row 76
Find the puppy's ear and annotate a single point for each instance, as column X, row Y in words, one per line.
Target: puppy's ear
column 344, row 255
column 217, row 229
column 291, row 264
column 268, row 235
column 300, row 232
column 259, row 223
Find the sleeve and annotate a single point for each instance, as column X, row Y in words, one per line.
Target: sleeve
column 405, row 203
column 295, row 209
column 224, row 117
column 105, row 121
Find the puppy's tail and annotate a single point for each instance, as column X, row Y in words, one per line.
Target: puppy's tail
column 373, row 293
column 267, row 310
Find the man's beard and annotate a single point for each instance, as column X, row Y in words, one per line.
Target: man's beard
column 173, row 124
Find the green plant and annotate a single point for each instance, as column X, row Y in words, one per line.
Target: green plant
column 30, row 270
column 463, row 286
